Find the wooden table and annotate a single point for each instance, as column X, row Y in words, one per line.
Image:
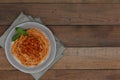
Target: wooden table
column 89, row 29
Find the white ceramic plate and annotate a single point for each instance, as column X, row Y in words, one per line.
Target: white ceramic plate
column 45, row 63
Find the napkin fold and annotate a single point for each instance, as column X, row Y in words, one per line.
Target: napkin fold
column 26, row 18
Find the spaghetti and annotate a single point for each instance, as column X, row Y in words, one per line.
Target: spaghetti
column 30, row 50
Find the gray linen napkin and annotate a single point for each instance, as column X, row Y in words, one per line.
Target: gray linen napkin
column 24, row 18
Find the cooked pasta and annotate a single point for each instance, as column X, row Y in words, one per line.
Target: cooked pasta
column 30, row 50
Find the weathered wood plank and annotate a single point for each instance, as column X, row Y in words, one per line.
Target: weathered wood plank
column 85, row 36
column 90, row 58
column 3, row 29
column 65, row 75
column 64, row 14
column 14, row 75
column 59, row 1
column 80, row 58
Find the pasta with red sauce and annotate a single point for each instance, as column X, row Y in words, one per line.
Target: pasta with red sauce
column 30, row 50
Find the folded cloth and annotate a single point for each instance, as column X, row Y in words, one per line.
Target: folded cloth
column 24, row 18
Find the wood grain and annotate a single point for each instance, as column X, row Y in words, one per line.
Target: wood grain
column 91, row 47
column 65, row 75
column 59, row 1
column 85, row 36
column 80, row 58
column 64, row 14
column 90, row 58
column 3, row 29
column 14, row 75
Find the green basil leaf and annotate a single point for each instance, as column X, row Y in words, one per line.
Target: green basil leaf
column 21, row 31
column 16, row 36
